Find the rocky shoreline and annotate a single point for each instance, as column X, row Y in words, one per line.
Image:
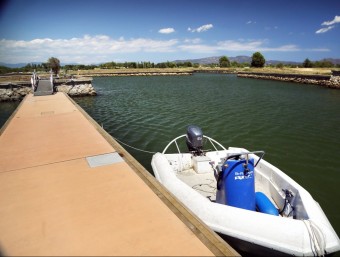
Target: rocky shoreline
column 151, row 73
column 76, row 87
column 332, row 81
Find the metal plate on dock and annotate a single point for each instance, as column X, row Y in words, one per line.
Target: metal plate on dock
column 104, row 159
column 47, row 113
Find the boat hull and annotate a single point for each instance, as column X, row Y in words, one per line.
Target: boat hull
column 245, row 248
column 250, row 229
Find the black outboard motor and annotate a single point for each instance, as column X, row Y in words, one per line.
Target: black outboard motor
column 194, row 140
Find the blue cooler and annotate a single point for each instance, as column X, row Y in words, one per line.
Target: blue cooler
column 236, row 184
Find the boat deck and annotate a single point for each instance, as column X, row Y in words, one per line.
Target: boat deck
column 204, row 183
column 67, row 188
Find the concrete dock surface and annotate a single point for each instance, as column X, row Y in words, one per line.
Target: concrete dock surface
column 67, row 188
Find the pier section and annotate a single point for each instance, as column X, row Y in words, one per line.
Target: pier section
column 67, row 188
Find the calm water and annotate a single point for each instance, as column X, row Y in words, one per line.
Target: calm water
column 298, row 126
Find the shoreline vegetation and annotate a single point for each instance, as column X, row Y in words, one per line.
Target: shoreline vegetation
column 14, row 86
column 25, row 76
column 286, row 70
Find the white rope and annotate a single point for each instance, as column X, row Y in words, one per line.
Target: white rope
column 210, row 185
column 141, row 150
column 321, row 239
column 316, row 237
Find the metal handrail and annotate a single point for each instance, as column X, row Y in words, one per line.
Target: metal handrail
column 209, row 138
column 247, row 153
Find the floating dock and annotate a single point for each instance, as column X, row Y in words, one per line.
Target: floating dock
column 68, row 188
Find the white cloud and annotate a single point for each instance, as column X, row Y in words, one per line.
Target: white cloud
column 228, row 45
column 317, row 49
column 202, row 28
column 255, row 45
column 166, row 30
column 328, row 23
column 198, row 48
column 87, row 49
column 233, row 45
column 205, row 28
column 243, row 46
column 101, row 48
column 192, row 40
column 335, row 20
column 323, row 30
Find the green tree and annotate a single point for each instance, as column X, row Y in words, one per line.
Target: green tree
column 279, row 65
column 161, row 65
column 234, row 64
column 307, row 64
column 257, row 60
column 187, row 64
column 4, row 69
column 224, row 61
column 171, row 64
column 45, row 66
column 28, row 67
column 54, row 64
column 323, row 64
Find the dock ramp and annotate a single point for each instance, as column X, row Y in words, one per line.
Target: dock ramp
column 44, row 87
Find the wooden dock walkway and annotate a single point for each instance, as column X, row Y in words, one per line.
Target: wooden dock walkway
column 68, row 188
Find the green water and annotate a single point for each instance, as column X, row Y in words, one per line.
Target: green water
column 298, row 126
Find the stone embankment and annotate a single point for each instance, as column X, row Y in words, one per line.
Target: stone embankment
column 321, row 80
column 123, row 74
column 76, row 87
column 16, row 91
column 216, row 71
column 13, row 92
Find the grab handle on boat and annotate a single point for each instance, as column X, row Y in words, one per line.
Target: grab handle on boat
column 209, row 138
column 260, row 153
column 233, row 155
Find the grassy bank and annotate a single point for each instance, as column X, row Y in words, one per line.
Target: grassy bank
column 286, row 70
column 119, row 71
column 97, row 72
column 304, row 71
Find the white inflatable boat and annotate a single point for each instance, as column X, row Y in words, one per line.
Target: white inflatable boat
column 252, row 204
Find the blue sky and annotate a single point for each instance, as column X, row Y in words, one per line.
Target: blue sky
column 141, row 30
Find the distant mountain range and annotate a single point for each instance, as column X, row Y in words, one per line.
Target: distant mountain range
column 215, row 59
column 203, row 61
column 15, row 65
column 332, row 60
column 246, row 59
column 239, row 59
column 20, row 65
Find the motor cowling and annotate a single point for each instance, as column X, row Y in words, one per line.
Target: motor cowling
column 194, row 139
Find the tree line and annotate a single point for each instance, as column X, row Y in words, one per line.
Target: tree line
column 257, row 61
column 318, row 64
column 52, row 64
